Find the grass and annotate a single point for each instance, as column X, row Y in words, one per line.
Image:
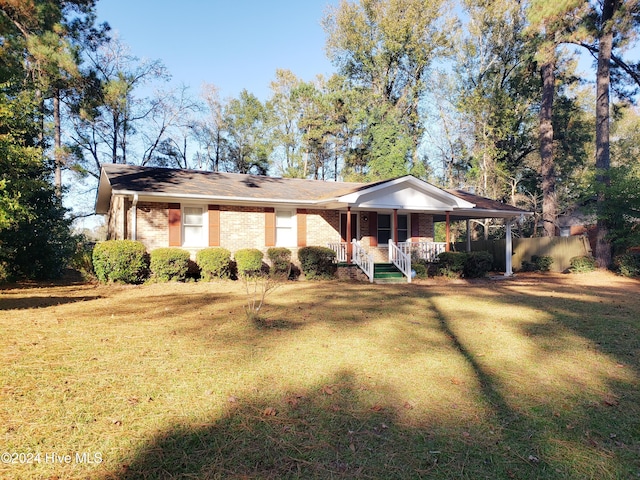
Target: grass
column 532, row 377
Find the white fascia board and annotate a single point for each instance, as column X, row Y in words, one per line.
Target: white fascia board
column 103, row 194
column 212, row 198
column 480, row 213
column 424, row 188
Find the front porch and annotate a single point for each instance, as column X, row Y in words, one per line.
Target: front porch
column 398, row 258
column 393, row 222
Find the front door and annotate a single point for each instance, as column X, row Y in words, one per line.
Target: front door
column 343, row 227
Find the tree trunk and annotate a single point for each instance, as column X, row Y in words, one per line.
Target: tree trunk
column 549, row 206
column 57, row 142
column 603, row 246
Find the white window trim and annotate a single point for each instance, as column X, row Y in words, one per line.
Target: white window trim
column 204, row 240
column 293, row 240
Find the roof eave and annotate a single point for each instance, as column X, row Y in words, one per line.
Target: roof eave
column 215, row 198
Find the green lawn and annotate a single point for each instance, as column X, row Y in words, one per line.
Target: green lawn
column 535, row 377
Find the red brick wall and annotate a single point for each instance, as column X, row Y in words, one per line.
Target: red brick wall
column 240, row 227
column 153, row 224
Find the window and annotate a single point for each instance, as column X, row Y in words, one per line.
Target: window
column 384, row 228
column 193, row 225
column 285, row 234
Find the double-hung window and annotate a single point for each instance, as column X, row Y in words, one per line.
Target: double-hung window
column 193, row 226
column 285, row 233
column 386, row 226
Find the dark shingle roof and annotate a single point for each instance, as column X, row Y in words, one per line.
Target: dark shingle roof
column 130, row 178
column 484, row 203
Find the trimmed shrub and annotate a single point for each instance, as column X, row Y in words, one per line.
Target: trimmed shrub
column 627, row 264
column 543, row 262
column 477, row 264
column 120, row 261
column 464, row 264
column 280, row 258
column 451, row 264
column 317, row 262
column 214, row 263
column 249, row 261
column 582, row 264
column 538, row 263
column 169, row 264
column 420, row 269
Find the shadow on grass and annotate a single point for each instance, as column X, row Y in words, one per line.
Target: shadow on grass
column 330, row 431
column 26, row 303
column 607, row 316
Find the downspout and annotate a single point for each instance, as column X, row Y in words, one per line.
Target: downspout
column 134, row 219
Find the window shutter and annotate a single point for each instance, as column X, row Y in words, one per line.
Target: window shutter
column 373, row 229
column 301, row 215
column 214, row 225
column 175, row 225
column 269, row 227
column 415, row 227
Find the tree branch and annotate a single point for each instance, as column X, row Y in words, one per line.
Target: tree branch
column 615, row 60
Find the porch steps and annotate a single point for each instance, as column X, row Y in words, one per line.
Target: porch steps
column 387, row 273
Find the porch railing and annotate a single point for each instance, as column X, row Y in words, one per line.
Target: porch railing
column 363, row 259
column 340, row 249
column 428, row 251
column 400, row 259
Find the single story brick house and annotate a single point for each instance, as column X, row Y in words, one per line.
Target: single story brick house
column 365, row 223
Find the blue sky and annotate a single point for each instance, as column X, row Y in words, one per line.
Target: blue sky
column 234, row 44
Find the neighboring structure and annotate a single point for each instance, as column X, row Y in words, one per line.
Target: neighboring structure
column 363, row 222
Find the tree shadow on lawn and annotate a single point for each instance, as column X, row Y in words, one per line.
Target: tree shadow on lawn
column 34, row 302
column 336, row 430
column 328, row 431
column 608, row 316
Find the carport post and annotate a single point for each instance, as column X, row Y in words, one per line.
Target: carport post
column 508, row 271
column 447, row 247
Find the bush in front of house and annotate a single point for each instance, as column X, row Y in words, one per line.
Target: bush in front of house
column 420, row 268
column 538, row 263
column 169, row 264
column 317, row 262
column 464, row 264
column 477, row 264
column 120, row 261
column 214, row 262
column 280, row 259
column 451, row 264
column 248, row 262
column 627, row 264
column 582, row 264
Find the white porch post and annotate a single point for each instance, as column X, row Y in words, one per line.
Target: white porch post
column 348, row 237
column 508, row 271
column 468, row 235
